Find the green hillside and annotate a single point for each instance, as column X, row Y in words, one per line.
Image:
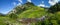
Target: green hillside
column 29, row 10
column 33, row 13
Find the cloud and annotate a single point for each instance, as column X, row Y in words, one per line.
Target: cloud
column 18, row 4
column 29, row 0
column 42, row 5
column 53, row 2
column 42, row 2
column 20, row 1
column 14, row 3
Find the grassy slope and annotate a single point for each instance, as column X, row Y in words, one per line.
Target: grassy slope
column 33, row 13
column 4, row 19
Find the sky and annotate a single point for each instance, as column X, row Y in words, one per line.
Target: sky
column 8, row 5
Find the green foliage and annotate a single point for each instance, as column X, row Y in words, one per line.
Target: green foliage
column 13, row 16
column 2, row 20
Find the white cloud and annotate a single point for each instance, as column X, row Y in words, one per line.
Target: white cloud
column 14, row 3
column 42, row 2
column 18, row 4
column 42, row 5
column 29, row 0
column 53, row 2
column 20, row 1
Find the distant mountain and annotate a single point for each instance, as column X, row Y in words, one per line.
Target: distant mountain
column 27, row 10
column 20, row 9
column 2, row 14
